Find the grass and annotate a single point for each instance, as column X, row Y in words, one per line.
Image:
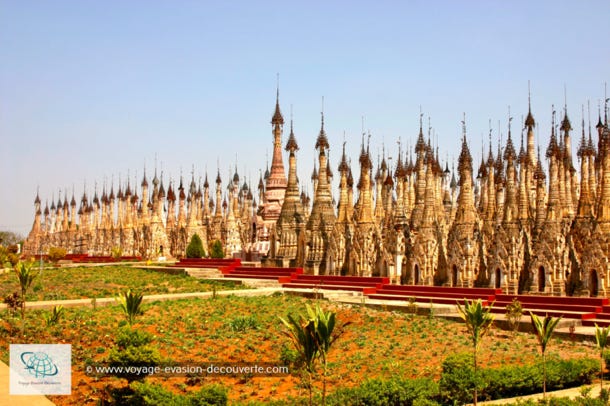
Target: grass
column 108, row 281
column 247, row 329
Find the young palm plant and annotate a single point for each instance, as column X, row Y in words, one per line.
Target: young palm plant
column 53, row 317
column 327, row 333
column 26, row 274
column 313, row 337
column 302, row 333
column 601, row 339
column 478, row 320
column 544, row 328
column 131, row 304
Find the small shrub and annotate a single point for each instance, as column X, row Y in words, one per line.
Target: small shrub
column 56, row 254
column 133, row 338
column 216, row 250
column 209, row 395
column 145, row 393
column 133, row 350
column 243, row 323
column 116, row 252
column 145, row 355
column 514, row 311
column 195, row 248
column 13, row 303
column 12, row 258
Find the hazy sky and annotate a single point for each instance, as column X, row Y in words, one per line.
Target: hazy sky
column 91, row 91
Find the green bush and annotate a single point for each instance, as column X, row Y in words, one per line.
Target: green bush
column 209, row 395
column 457, row 381
column 145, row 393
column 195, row 248
column 144, row 356
column 216, row 250
column 457, row 378
column 394, row 391
column 128, row 337
column 133, row 349
column 56, row 253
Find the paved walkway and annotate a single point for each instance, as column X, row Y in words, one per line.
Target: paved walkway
column 448, row 311
column 17, row 400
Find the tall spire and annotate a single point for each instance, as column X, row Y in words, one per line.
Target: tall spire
column 509, row 151
column 565, row 123
column 606, row 99
column 322, row 141
column 465, row 159
column 420, row 145
column 529, row 120
column 277, row 118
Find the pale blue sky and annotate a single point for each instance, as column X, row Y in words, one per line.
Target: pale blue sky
column 93, row 90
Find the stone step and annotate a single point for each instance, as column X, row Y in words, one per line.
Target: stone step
column 203, row 273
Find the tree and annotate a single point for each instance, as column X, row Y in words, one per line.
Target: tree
column 10, row 238
column 601, row 339
column 26, row 274
column 195, row 248
column 544, row 331
column 216, row 250
column 478, row 321
column 131, row 304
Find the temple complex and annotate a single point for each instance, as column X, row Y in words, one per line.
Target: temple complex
column 507, row 222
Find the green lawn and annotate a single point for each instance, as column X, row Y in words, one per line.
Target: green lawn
column 107, row 281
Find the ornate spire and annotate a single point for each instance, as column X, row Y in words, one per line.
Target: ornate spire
column 420, row 145
column 565, row 123
column 291, row 144
column 490, row 155
column 529, row 120
column 343, row 167
column 509, row 151
column 322, row 141
column 218, row 180
column 465, row 159
column 144, row 181
column 553, row 148
column 522, row 153
column 277, row 115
